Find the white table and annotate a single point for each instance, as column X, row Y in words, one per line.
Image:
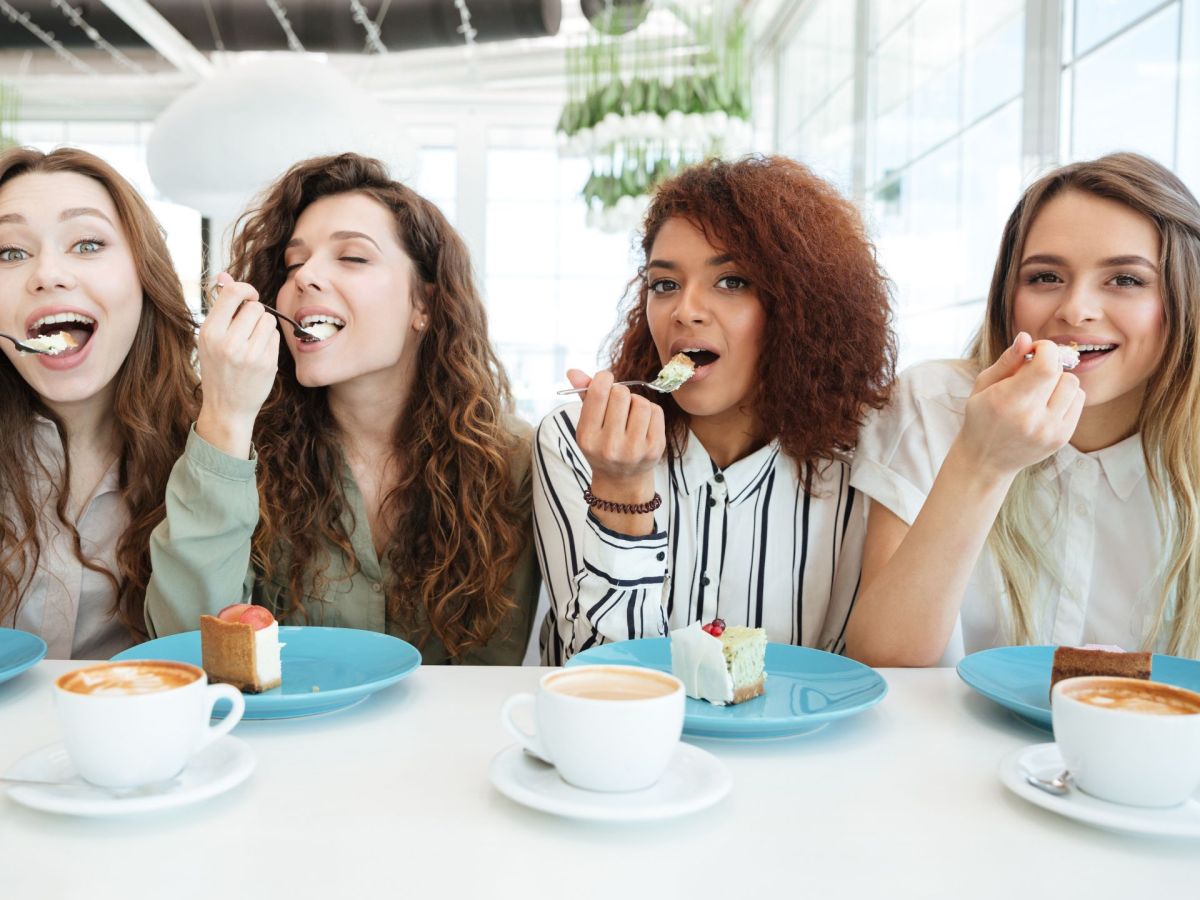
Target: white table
column 391, row 799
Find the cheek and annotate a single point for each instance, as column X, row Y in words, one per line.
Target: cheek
column 1028, row 313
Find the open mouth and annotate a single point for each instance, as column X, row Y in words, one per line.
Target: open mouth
column 322, row 328
column 62, row 334
column 699, row 357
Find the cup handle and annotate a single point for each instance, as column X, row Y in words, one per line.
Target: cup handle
column 216, row 693
column 529, row 741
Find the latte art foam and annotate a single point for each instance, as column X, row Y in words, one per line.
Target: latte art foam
column 1149, row 698
column 126, row 679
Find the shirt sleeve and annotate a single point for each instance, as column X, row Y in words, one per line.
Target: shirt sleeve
column 602, row 586
column 901, row 447
column 200, row 552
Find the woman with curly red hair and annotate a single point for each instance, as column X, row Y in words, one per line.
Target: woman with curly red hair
column 392, row 481
column 729, row 498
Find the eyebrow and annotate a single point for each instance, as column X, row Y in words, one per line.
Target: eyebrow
column 712, row 262
column 66, row 214
column 337, row 236
column 1129, row 260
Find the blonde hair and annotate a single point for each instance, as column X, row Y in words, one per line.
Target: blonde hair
column 1169, row 418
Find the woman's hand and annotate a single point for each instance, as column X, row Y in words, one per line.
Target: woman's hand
column 239, row 353
column 1020, row 412
column 623, row 437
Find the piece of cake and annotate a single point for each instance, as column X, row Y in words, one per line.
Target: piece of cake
column 1072, row 662
column 679, row 368
column 240, row 646
column 1068, row 355
column 53, row 344
column 718, row 664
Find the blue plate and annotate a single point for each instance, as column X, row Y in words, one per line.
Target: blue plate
column 1018, row 678
column 806, row 689
column 18, row 651
column 323, row 668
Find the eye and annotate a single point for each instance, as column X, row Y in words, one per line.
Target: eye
column 12, row 254
column 88, row 246
column 353, row 259
column 1125, row 280
column 662, row 285
column 1043, row 278
column 288, row 269
column 733, row 283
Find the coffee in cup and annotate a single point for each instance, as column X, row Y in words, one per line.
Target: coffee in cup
column 1129, row 740
column 137, row 722
column 605, row 728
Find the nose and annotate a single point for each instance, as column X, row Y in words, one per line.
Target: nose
column 1079, row 304
column 691, row 307
column 49, row 274
column 308, row 277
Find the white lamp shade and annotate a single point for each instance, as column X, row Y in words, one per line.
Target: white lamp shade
column 229, row 137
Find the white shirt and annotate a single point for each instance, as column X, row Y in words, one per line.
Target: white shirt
column 1104, row 537
column 67, row 604
column 744, row 543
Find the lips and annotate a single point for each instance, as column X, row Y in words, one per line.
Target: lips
column 323, row 324
column 74, row 324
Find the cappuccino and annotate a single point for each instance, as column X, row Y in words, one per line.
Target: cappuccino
column 614, row 683
column 1141, row 697
column 125, row 678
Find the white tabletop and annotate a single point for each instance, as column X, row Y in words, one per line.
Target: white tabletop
column 391, row 799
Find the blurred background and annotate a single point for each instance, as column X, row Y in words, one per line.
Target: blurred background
column 539, row 126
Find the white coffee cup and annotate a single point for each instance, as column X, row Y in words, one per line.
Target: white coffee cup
column 1128, row 740
column 605, row 728
column 137, row 722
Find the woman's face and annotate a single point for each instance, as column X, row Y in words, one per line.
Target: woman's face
column 699, row 300
column 66, row 265
column 1089, row 275
column 346, row 268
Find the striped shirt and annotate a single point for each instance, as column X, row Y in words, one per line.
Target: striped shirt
column 745, row 543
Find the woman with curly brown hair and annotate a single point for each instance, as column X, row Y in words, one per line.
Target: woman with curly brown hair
column 729, row 498
column 392, row 484
column 88, row 435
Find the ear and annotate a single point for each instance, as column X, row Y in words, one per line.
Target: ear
column 421, row 302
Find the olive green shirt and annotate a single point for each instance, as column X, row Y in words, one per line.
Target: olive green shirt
column 201, row 558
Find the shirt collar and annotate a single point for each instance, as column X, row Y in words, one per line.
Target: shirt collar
column 1123, row 464
column 694, row 468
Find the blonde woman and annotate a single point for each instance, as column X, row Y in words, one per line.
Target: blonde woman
column 1015, row 502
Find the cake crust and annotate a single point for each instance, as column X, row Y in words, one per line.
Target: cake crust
column 749, row 691
column 1073, row 662
column 227, row 650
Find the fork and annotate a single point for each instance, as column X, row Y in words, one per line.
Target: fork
column 25, row 348
column 297, row 329
column 650, row 384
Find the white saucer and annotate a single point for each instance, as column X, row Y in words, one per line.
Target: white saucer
column 1044, row 761
column 694, row 780
column 215, row 769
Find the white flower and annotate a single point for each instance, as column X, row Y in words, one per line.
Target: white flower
column 674, row 123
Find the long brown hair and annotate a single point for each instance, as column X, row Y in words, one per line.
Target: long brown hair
column 459, row 522
column 828, row 352
column 155, row 402
column 1168, row 419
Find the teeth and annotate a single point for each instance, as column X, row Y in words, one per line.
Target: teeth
column 61, row 318
column 1087, row 348
column 316, row 320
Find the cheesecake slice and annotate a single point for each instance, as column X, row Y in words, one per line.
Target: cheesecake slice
column 240, row 646
column 721, row 665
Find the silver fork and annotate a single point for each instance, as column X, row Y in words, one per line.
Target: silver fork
column 654, row 385
column 25, row 348
column 298, row 330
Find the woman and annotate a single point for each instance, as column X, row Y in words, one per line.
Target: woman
column 87, row 436
column 392, row 486
column 762, row 273
column 1015, row 502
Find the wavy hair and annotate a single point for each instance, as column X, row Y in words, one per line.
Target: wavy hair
column 1168, row 420
column 156, row 398
column 828, row 352
column 459, row 521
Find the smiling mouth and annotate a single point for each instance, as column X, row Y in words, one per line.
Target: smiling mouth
column 700, row 358
column 1093, row 351
column 322, row 328
column 62, row 334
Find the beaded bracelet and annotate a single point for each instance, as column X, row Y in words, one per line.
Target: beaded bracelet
column 629, row 509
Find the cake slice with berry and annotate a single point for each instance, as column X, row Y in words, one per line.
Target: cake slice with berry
column 718, row 664
column 240, row 646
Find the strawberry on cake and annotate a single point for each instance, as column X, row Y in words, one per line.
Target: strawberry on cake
column 240, row 646
column 719, row 664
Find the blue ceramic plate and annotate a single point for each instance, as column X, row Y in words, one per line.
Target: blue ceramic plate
column 323, row 668
column 1018, row 678
column 18, row 651
column 806, row 689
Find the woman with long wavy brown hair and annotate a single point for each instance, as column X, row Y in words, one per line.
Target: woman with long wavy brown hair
column 87, row 435
column 729, row 498
column 392, row 483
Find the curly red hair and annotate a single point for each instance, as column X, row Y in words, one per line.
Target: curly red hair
column 828, row 352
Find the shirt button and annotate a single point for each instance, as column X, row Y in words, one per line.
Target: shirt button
column 711, row 502
column 719, row 477
column 377, row 587
column 704, row 581
column 661, row 556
